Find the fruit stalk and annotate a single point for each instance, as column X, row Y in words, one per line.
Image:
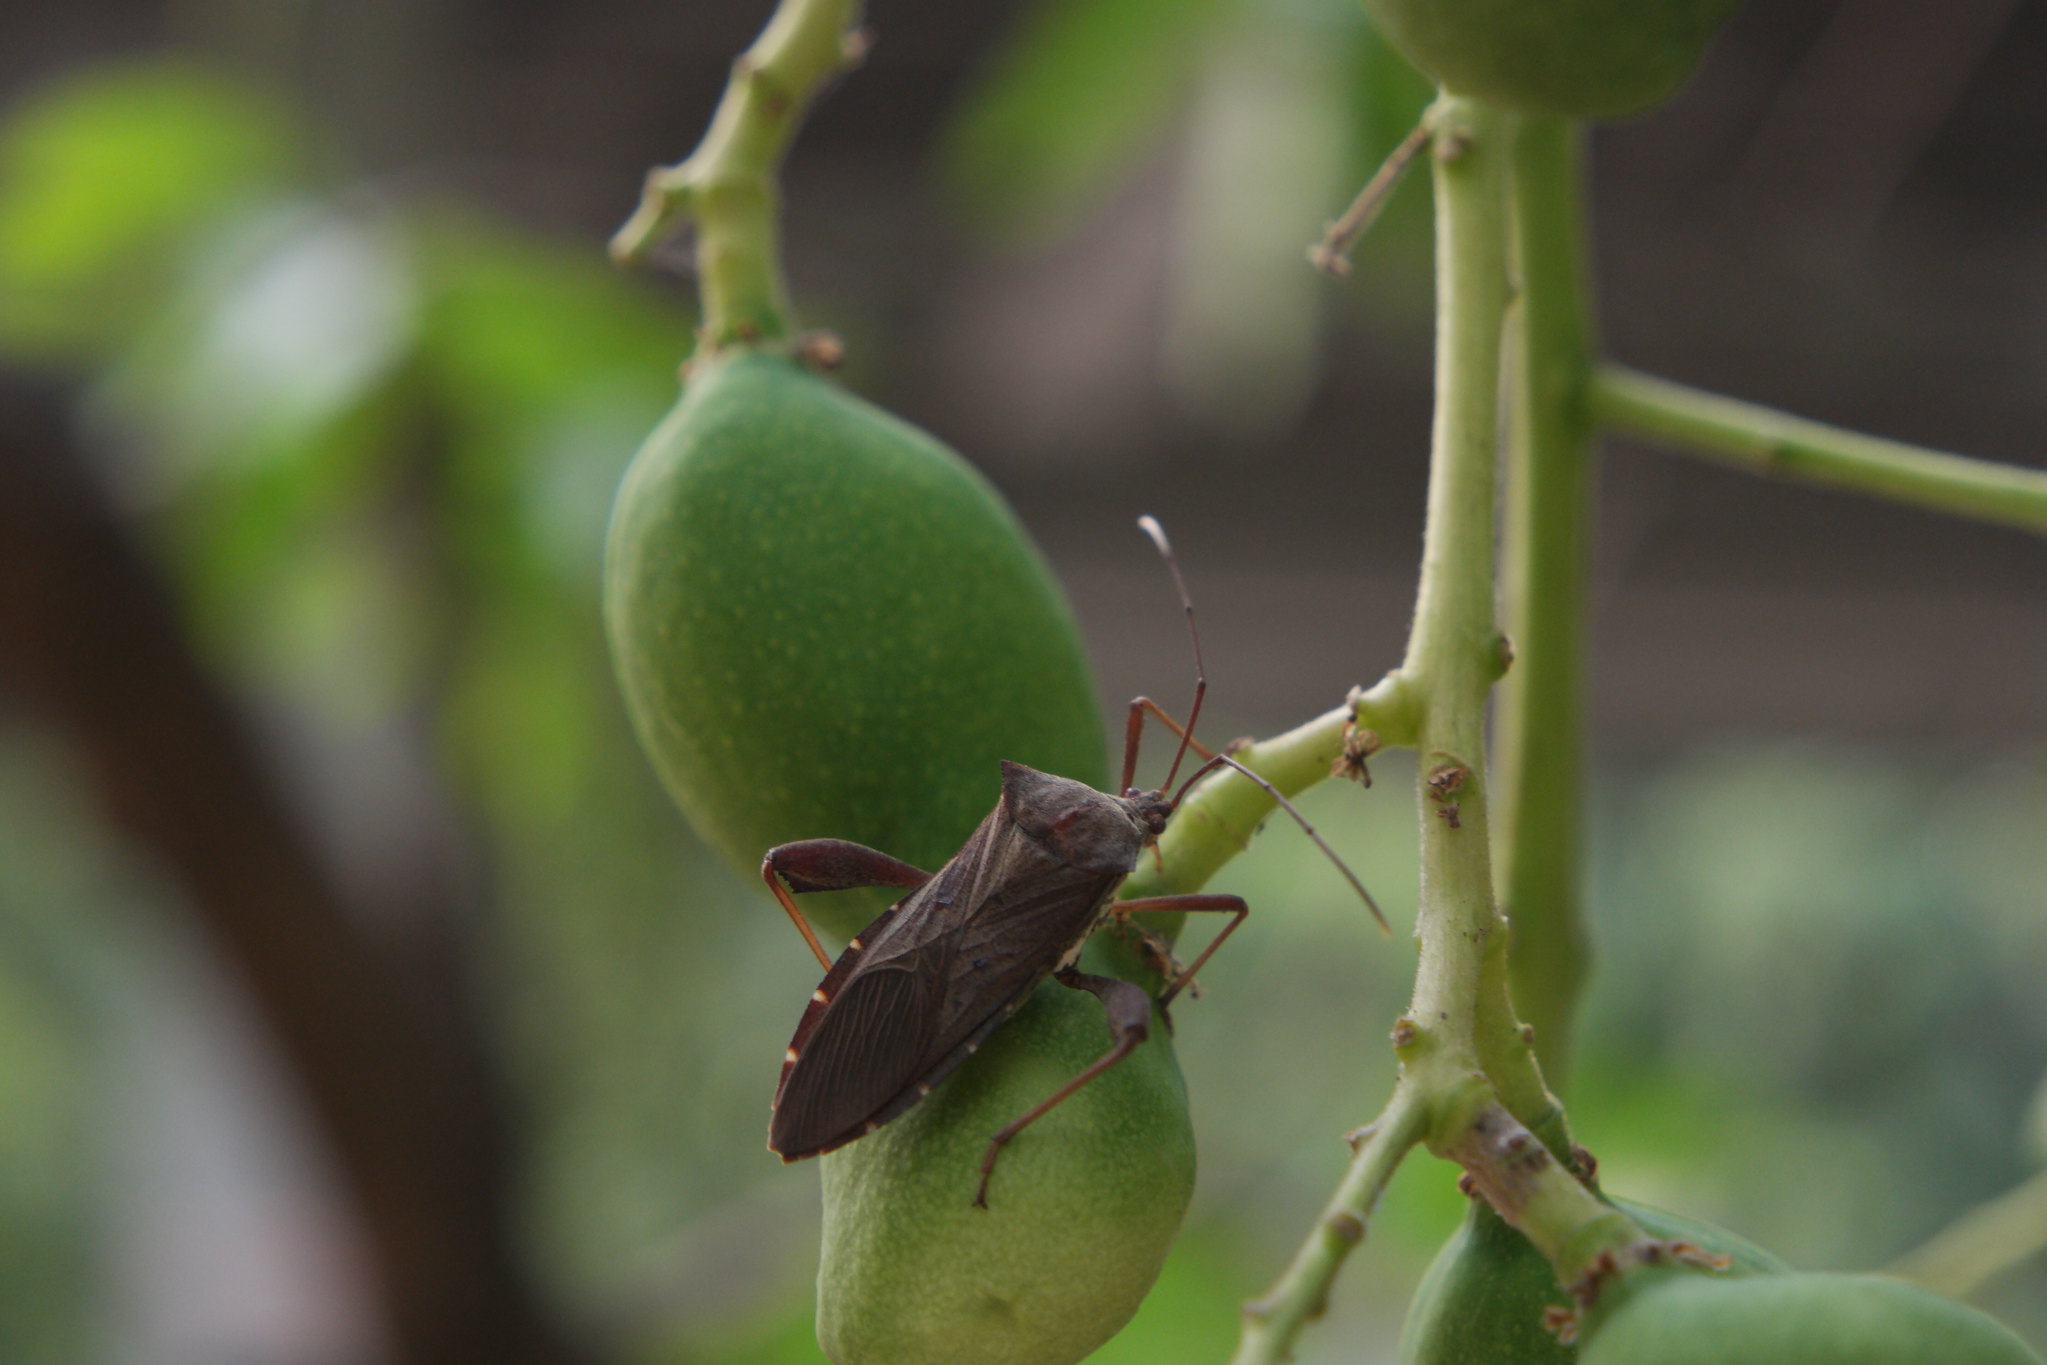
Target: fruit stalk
column 1460, row 1017
column 1764, row 441
column 1469, row 1084
column 727, row 186
column 1538, row 735
column 1990, row 1239
column 1218, row 817
column 1272, row 1322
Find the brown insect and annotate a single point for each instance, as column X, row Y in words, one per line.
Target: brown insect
column 923, row 985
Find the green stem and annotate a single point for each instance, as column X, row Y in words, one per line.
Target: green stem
column 1538, row 731
column 1765, row 441
column 1453, row 656
column 1469, row 1084
column 1300, row 1295
column 728, row 184
column 1585, row 1239
column 1218, row 817
column 1216, row 821
column 1982, row 1244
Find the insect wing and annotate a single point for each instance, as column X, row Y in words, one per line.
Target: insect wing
column 928, row 981
column 828, row 1095
column 1014, row 939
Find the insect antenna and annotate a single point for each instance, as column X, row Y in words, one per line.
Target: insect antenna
column 1150, row 526
column 1225, row 761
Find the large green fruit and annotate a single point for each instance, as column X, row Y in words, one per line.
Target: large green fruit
column 1081, row 1211
column 826, row 624
column 1483, row 1298
column 1689, row 1318
column 1580, row 58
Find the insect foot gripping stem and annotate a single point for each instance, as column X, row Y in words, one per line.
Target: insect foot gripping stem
column 1688, row 1317
column 1082, row 1209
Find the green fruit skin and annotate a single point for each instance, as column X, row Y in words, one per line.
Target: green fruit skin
column 1081, row 1210
column 1688, row 1318
column 1589, row 59
column 1482, row 1299
column 827, row 625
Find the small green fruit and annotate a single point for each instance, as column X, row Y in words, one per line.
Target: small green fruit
column 1693, row 1318
column 1483, row 1298
column 1081, row 1212
column 827, row 625
column 1579, row 58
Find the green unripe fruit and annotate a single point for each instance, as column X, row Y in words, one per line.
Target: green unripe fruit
column 1692, row 1318
column 1580, row 58
column 827, row 625
column 1483, row 1298
column 1081, row 1211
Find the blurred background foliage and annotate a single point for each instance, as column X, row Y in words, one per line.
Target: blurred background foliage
column 366, row 419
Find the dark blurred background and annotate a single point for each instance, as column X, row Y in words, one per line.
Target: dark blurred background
column 361, row 998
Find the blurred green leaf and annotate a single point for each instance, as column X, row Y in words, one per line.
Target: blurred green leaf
column 105, row 175
column 294, row 313
column 1268, row 144
column 549, row 368
column 1078, row 88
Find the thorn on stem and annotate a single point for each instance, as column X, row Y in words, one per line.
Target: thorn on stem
column 1331, row 255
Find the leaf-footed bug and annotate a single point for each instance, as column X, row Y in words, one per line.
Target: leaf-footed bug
column 919, row 989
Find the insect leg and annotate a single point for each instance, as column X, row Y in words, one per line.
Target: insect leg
column 1229, row 905
column 831, row 865
column 1134, row 728
column 1129, row 1011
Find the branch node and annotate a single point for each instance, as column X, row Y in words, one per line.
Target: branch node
column 1346, row 1226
